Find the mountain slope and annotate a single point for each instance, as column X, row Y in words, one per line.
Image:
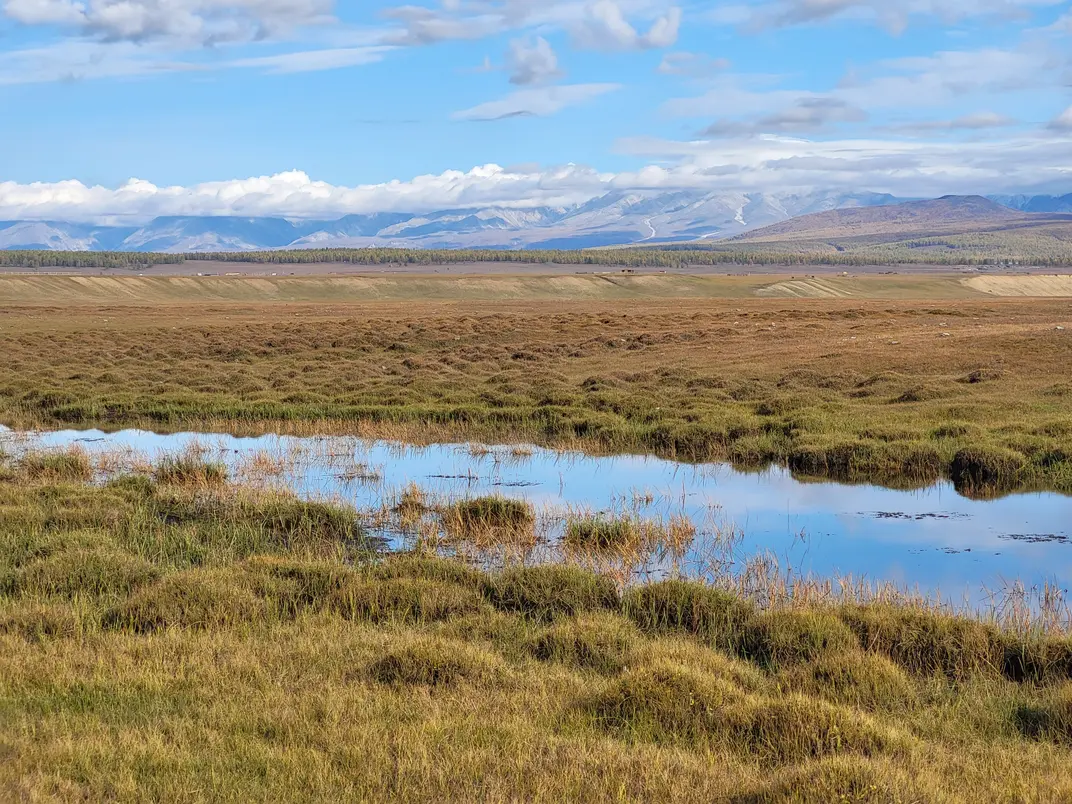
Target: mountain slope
column 935, row 216
column 616, row 218
column 1035, row 203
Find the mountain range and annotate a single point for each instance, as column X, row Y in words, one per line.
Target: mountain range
column 616, row 218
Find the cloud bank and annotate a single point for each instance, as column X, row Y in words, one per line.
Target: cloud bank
column 906, row 168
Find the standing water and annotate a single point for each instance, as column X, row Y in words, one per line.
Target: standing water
column 931, row 539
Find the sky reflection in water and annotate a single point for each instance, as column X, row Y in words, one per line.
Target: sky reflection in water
column 933, row 538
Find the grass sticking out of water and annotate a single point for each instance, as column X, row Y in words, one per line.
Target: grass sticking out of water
column 168, row 633
column 604, row 376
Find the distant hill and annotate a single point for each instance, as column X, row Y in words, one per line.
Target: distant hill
column 936, row 216
column 951, row 230
column 1035, row 203
column 615, row 218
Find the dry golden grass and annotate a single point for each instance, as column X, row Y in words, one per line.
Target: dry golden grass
column 894, row 391
column 173, row 641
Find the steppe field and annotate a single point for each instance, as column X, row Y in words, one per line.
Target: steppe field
column 173, row 629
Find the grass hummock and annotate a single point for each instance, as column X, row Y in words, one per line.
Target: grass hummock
column 167, row 631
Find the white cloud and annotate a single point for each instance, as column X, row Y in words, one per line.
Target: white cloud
column 600, row 25
column 311, row 60
column 77, row 60
column 536, row 102
column 894, row 15
column 604, row 27
column 757, row 164
column 693, row 65
column 532, row 62
column 1043, row 163
column 295, row 194
column 45, row 12
column 193, row 21
column 908, row 83
column 804, row 114
column 969, row 122
column 1063, row 121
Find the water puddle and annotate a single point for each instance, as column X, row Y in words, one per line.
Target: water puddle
column 932, row 539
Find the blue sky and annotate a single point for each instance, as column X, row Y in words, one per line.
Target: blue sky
column 311, row 107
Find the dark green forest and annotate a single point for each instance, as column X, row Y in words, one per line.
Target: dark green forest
column 965, row 250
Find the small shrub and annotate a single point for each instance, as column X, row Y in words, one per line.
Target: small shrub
column 434, row 663
column 777, row 638
column 718, row 617
column 410, row 599
column 548, row 591
column 600, row 642
column 190, row 599
column 85, row 571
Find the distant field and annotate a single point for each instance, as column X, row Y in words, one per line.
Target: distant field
column 113, row 289
column 899, row 379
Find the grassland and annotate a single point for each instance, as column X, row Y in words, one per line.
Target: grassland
column 167, row 636
column 901, row 390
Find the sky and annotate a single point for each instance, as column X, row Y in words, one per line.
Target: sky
column 113, row 109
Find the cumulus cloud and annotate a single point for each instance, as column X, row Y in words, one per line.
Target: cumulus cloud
column 756, row 164
column 295, row 194
column 604, row 27
column 532, row 62
column 536, row 102
column 194, row 21
column 426, row 26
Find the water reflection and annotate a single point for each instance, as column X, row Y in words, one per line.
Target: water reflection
column 933, row 539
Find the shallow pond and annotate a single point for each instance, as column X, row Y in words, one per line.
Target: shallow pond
column 933, row 539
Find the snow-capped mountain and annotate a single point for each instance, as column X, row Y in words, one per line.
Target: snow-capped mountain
column 616, row 218
column 1035, row 203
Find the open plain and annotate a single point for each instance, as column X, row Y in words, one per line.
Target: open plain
column 174, row 631
column 895, row 378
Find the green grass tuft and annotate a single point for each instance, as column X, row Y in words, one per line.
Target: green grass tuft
column 434, row 662
column 600, row 642
column 549, row 591
column 719, row 618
